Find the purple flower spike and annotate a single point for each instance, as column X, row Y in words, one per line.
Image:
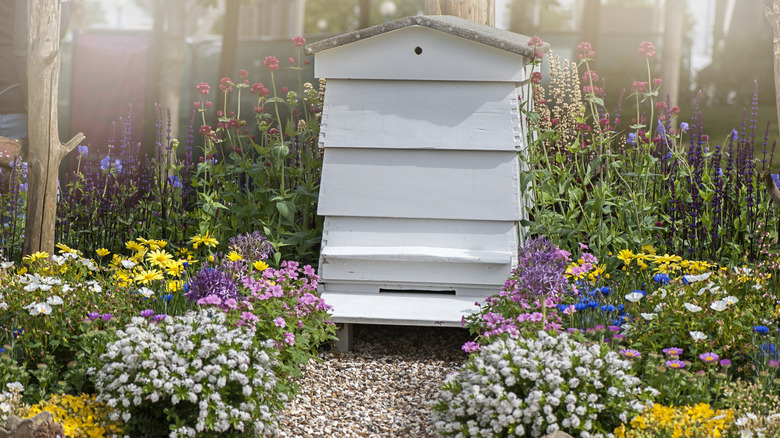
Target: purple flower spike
column 147, row 313
column 106, row 316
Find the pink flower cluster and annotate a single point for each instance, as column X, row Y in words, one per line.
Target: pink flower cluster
column 585, row 51
column 271, row 63
column 647, row 49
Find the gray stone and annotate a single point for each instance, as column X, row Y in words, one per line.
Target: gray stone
column 559, row 434
column 18, row 428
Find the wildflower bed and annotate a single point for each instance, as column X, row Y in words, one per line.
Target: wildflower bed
column 652, row 310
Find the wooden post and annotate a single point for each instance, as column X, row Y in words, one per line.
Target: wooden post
column 478, row 11
column 45, row 149
column 227, row 59
column 672, row 49
column 773, row 15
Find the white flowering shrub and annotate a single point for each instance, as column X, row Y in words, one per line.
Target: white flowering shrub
column 191, row 375
column 517, row 387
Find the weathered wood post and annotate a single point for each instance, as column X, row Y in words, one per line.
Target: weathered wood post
column 45, row 151
column 773, row 15
column 478, row 11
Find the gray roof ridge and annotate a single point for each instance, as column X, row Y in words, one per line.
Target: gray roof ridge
column 460, row 27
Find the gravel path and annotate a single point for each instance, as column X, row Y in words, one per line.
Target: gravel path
column 383, row 388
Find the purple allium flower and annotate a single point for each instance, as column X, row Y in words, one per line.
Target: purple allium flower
column 540, row 271
column 106, row 316
column 709, row 357
column 212, row 282
column 630, row 353
column 674, row 351
column 675, row 363
column 252, row 247
column 470, row 347
column 146, row 313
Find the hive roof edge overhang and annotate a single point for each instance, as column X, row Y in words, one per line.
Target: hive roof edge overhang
column 460, row 27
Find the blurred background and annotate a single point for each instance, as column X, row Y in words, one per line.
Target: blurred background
column 119, row 54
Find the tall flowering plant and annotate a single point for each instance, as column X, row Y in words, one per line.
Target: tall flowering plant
column 616, row 181
column 268, row 181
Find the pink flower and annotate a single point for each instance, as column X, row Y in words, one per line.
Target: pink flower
column 289, row 338
column 536, row 317
column 259, row 89
column 226, row 84
column 291, row 60
column 298, row 41
column 647, row 49
column 279, row 322
column 470, row 347
column 285, row 90
column 585, row 51
column 203, row 88
column 307, row 61
column 231, row 303
column 657, row 81
column 271, row 63
column 243, row 74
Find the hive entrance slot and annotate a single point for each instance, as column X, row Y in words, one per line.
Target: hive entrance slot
column 418, row 50
column 417, row 291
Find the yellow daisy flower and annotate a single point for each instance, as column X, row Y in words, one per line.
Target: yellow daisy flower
column 626, row 256
column 102, row 252
column 145, row 277
column 35, row 256
column 174, row 268
column 260, row 265
column 234, row 257
column 159, row 258
column 66, row 249
column 206, row 239
column 134, row 246
column 175, row 285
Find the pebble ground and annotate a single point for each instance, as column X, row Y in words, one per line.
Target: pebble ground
column 383, row 388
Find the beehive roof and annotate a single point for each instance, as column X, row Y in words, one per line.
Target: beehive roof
column 460, row 27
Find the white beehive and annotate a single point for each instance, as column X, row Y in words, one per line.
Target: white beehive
column 420, row 183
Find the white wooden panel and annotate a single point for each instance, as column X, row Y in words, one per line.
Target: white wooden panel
column 420, row 184
column 376, row 287
column 420, row 115
column 443, row 275
column 399, row 309
column 422, row 254
column 444, row 57
column 364, row 231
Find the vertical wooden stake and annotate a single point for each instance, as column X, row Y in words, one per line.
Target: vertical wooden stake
column 478, row 11
column 45, row 149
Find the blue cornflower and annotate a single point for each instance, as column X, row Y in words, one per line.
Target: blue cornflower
column 168, row 297
column 661, row 278
column 580, row 306
column 761, row 329
column 608, row 308
column 621, row 308
column 606, row 290
column 593, row 305
column 769, row 349
column 186, row 285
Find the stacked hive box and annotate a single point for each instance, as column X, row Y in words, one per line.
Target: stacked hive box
column 421, row 131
